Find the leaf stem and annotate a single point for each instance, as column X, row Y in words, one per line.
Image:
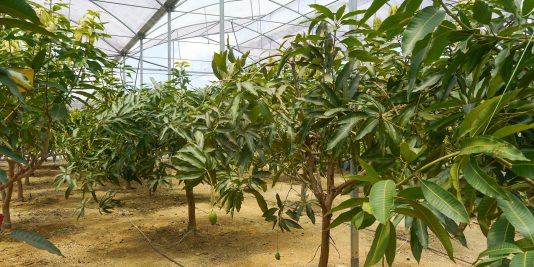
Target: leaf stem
column 428, row 166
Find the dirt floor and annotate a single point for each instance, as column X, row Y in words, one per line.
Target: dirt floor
column 244, row 240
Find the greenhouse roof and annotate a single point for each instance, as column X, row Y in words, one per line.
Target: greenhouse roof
column 194, row 35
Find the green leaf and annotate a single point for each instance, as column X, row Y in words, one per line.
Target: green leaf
column 432, row 222
column 440, row 40
column 362, row 178
column 518, row 215
column 380, row 244
column 58, row 112
column 381, row 200
column 3, row 177
column 500, row 250
column 349, row 203
column 527, row 7
column 423, row 23
column 415, row 245
column 481, row 181
column 14, row 156
column 524, row 169
column 369, row 170
column 323, row 10
column 525, row 259
column 6, row 79
column 410, row 153
column 479, row 118
column 500, row 232
column 357, row 220
column 375, row 6
column 35, row 240
column 512, row 129
column 391, row 249
column 491, row 146
column 345, row 129
column 482, row 12
column 19, row 9
column 24, row 25
column 444, row 201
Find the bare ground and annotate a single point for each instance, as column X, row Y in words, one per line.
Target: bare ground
column 244, row 240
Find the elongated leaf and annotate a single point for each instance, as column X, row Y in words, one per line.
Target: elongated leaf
column 518, row 215
column 440, row 39
column 482, row 12
column 381, row 200
column 366, row 178
column 484, row 210
column 512, row 129
column 369, row 125
column 370, row 171
column 6, row 79
column 375, row 6
column 492, row 146
column 479, row 117
column 525, row 169
column 432, row 222
column 391, row 249
column 423, row 23
column 19, row 9
column 14, row 156
column 36, row 240
column 444, row 201
column 323, row 10
column 379, row 246
column 525, row 259
column 345, row 129
column 500, row 249
column 25, row 26
column 415, row 245
column 481, row 181
column 500, row 232
column 527, row 7
column 349, row 203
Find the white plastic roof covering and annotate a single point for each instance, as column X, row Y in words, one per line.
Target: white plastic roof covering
column 250, row 25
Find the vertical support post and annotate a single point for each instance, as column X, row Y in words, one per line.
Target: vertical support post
column 141, row 59
column 354, row 235
column 169, row 48
column 221, row 26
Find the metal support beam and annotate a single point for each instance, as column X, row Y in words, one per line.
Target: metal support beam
column 169, row 43
column 221, row 25
column 354, row 235
column 141, row 72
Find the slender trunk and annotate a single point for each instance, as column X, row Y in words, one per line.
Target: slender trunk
column 27, row 180
column 190, row 196
column 325, row 238
column 6, row 198
column 20, row 191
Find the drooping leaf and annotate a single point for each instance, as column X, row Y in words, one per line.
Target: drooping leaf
column 481, row 181
column 444, row 201
column 525, row 259
column 36, row 240
column 500, row 232
column 19, row 9
column 391, row 249
column 423, row 23
column 381, row 200
column 379, row 245
column 512, row 129
column 500, row 249
column 11, row 154
column 491, row 146
column 518, row 215
column 375, row 6
column 323, row 10
column 345, row 128
column 24, row 25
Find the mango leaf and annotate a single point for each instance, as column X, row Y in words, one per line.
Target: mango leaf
column 410, row 153
column 492, row 146
column 19, row 9
column 345, row 129
column 524, row 169
column 525, row 259
column 479, row 118
column 423, row 213
column 500, row 232
column 527, row 7
column 444, row 201
column 423, row 23
column 24, row 25
column 518, row 215
column 323, row 10
column 6, row 79
column 380, row 244
column 369, row 170
column 375, row 6
column 349, row 203
column 415, row 245
column 381, row 200
column 391, row 249
column 481, row 181
column 512, row 129
column 482, row 12
column 58, row 112
column 440, row 39
column 35, row 240
column 362, row 178
column 500, row 249
column 14, row 156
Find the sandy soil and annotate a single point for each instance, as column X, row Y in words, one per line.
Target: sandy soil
column 244, row 240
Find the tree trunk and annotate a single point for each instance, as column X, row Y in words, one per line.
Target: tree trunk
column 192, row 222
column 20, row 191
column 6, row 199
column 27, row 180
column 325, row 239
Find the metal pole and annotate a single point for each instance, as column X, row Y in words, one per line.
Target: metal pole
column 354, row 236
column 169, row 56
column 221, row 25
column 141, row 70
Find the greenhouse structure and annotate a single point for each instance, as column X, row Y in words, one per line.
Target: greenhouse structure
column 267, row 133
